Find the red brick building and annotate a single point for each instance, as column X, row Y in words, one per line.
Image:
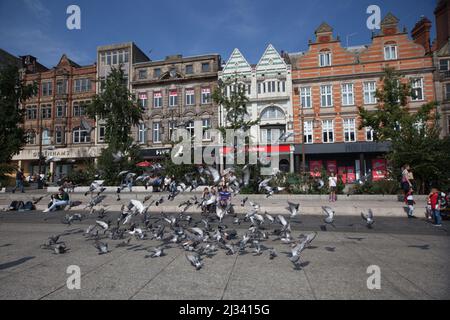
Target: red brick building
column 331, row 82
column 55, row 120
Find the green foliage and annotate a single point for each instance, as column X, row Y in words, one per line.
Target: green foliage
column 13, row 92
column 389, row 187
column 119, row 109
column 176, row 170
column 414, row 136
column 85, row 176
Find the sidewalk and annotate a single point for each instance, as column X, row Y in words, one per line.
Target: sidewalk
column 387, row 206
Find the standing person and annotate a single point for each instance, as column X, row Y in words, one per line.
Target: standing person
column 19, row 181
column 332, row 183
column 167, row 182
column 435, row 207
column 406, row 183
column 60, row 200
column 409, row 200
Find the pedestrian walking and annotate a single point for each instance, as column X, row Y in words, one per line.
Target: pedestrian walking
column 435, row 207
column 409, row 200
column 332, row 184
column 406, row 182
column 19, row 181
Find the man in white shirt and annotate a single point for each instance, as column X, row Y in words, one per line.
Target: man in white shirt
column 332, row 183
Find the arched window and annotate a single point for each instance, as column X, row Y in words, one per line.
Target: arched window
column 390, row 50
column 31, row 137
column 325, row 58
column 81, row 136
column 46, row 137
column 272, row 113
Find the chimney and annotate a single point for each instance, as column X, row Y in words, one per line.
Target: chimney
column 421, row 33
column 389, row 25
column 442, row 15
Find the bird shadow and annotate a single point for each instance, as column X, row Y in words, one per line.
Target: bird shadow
column 424, row 247
column 138, row 246
column 300, row 266
column 356, row 239
column 6, row 245
column 15, row 263
column 311, row 248
column 330, row 249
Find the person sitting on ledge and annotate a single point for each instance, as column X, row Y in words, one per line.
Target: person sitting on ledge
column 60, row 200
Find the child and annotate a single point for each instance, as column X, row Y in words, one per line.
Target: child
column 409, row 199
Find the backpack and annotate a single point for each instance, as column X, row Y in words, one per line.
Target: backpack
column 29, row 206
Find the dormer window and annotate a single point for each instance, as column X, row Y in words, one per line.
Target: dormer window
column 390, row 52
column 325, row 58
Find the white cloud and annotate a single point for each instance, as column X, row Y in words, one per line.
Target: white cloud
column 39, row 9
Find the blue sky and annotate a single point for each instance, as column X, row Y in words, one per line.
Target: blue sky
column 189, row 27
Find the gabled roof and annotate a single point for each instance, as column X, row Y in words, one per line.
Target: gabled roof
column 323, row 28
column 270, row 60
column 237, row 64
column 390, row 19
column 64, row 58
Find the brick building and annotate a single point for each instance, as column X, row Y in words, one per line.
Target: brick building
column 441, row 54
column 176, row 93
column 55, row 121
column 331, row 82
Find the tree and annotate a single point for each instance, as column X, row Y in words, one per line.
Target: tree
column 120, row 111
column 13, row 92
column 414, row 136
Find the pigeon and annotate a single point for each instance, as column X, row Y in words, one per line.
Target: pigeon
column 60, row 248
column 157, row 252
column 368, row 218
column 293, row 208
column 101, row 247
column 102, row 224
column 272, row 254
column 244, row 201
column 118, row 156
column 195, row 260
column 329, row 215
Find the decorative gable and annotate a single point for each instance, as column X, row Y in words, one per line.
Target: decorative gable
column 237, row 64
column 270, row 62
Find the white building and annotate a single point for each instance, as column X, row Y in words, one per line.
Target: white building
column 269, row 89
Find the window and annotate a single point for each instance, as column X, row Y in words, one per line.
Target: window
column 390, row 52
column 142, row 134
column 369, row 134
column 417, row 89
column 370, row 89
column 349, row 130
column 206, row 125
column 308, row 132
column 157, row 100
column 101, row 133
column 206, row 95
column 205, row 67
column 249, row 89
column 31, row 137
column 81, row 136
column 61, row 87
column 172, row 130
column 59, row 135
column 305, row 94
column 326, row 96
column 46, row 137
column 79, row 108
column 31, row 112
column 125, row 56
column 173, row 98
column 60, row 111
column 46, row 111
column 444, row 65
column 189, row 69
column 272, row 113
column 142, row 74
column 347, row 94
column 328, row 131
column 447, row 91
column 190, row 97
column 156, row 132
column 325, row 59
column 156, row 73
column 190, row 128
column 271, row 135
column 143, row 100
column 82, row 85
column 47, row 89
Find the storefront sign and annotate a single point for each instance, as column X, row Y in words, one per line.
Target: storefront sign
column 351, row 176
column 315, row 168
column 342, row 172
column 378, row 169
column 63, row 153
column 331, row 166
column 269, row 149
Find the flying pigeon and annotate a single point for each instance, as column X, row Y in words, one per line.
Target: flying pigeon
column 195, row 260
column 293, row 208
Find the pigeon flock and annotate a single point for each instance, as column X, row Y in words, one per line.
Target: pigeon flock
column 200, row 237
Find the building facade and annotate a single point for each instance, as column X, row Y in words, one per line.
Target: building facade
column 441, row 55
column 331, row 82
column 56, row 124
column 269, row 89
column 176, row 93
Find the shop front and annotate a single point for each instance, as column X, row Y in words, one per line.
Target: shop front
column 352, row 162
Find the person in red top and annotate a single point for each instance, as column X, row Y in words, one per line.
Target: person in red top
column 435, row 207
